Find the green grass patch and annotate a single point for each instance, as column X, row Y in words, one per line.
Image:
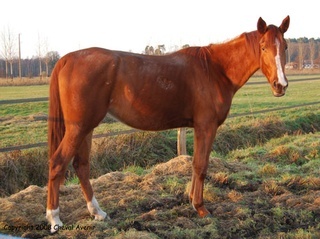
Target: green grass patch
column 24, row 109
column 251, row 97
column 23, row 92
column 135, row 169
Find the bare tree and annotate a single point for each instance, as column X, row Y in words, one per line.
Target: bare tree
column 46, row 55
column 20, row 72
column 312, row 51
column 8, row 49
column 300, row 53
column 40, row 50
column 53, row 57
column 288, row 51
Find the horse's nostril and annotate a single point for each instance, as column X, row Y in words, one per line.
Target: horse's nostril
column 275, row 84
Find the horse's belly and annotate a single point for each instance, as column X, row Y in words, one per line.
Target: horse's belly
column 153, row 122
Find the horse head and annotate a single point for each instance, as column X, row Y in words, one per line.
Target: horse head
column 272, row 54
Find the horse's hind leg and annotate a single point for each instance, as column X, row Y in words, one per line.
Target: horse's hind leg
column 57, row 168
column 82, row 168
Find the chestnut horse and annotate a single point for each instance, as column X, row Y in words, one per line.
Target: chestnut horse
column 192, row 87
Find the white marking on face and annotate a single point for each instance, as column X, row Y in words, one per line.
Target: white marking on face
column 95, row 210
column 54, row 219
column 281, row 77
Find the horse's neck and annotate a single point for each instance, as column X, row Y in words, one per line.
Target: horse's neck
column 238, row 58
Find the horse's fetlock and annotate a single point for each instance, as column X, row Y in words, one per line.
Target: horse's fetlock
column 196, row 206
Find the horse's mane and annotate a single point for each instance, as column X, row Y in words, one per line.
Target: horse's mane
column 252, row 39
column 202, row 53
column 197, row 51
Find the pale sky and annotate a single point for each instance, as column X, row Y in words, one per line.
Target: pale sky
column 130, row 25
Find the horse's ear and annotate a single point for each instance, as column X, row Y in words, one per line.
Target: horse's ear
column 262, row 26
column 285, row 24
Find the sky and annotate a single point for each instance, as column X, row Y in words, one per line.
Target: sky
column 131, row 25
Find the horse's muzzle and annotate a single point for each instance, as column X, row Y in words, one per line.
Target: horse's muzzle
column 278, row 89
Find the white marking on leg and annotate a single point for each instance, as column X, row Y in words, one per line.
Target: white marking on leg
column 194, row 208
column 54, row 219
column 95, row 210
column 281, row 77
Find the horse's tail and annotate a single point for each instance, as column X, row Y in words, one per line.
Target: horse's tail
column 56, row 125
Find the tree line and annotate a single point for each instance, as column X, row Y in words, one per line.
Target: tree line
column 304, row 52
column 30, row 68
column 301, row 53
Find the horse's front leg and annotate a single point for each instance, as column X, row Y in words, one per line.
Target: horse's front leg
column 203, row 139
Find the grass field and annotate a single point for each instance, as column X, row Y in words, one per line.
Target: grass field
column 263, row 179
column 23, row 92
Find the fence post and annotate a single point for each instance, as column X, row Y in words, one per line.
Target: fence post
column 182, row 142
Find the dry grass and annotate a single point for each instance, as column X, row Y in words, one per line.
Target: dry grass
column 24, row 81
column 271, row 187
column 220, row 178
column 235, row 196
column 268, row 170
column 19, row 169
